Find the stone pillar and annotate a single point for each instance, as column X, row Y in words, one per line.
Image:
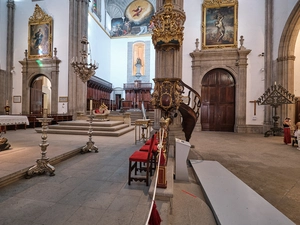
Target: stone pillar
column 168, row 64
column 9, row 53
column 77, row 91
column 268, row 56
column 240, row 115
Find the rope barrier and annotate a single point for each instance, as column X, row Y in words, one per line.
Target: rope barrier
column 159, row 146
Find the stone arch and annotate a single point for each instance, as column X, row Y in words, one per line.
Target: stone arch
column 286, row 57
column 40, row 93
column 31, row 69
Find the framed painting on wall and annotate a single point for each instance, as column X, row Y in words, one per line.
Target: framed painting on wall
column 39, row 34
column 219, row 24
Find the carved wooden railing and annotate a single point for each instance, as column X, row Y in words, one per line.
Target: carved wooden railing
column 190, row 110
column 194, row 99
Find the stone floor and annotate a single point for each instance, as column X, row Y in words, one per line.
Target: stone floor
column 92, row 188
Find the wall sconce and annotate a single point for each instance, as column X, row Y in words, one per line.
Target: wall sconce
column 262, row 54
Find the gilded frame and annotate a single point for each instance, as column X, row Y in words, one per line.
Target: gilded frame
column 39, row 35
column 63, row 99
column 219, row 24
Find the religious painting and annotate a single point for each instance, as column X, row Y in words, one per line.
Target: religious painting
column 219, row 24
column 136, row 20
column 39, row 35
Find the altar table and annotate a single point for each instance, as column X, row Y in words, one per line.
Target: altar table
column 10, row 120
column 13, row 120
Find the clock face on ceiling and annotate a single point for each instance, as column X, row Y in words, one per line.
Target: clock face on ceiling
column 139, row 12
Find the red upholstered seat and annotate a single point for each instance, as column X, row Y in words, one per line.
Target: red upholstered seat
column 146, row 148
column 148, row 142
column 140, row 157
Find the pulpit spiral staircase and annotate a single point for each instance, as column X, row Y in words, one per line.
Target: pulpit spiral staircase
column 189, row 109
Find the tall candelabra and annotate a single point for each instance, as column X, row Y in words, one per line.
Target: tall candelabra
column 42, row 164
column 90, row 145
column 84, row 68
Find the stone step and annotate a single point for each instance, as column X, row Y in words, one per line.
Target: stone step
column 94, row 124
column 86, row 127
column 116, row 133
column 81, row 127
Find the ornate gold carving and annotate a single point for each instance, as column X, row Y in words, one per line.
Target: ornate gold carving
column 168, row 28
column 219, row 2
column 167, row 94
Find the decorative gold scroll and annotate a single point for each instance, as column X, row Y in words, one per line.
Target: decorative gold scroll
column 168, row 28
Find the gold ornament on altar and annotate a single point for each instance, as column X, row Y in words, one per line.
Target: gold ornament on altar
column 168, row 28
column 167, row 94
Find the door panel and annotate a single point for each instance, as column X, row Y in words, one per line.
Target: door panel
column 218, row 101
column 36, row 97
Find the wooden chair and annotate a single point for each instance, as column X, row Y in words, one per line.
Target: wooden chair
column 154, row 149
column 135, row 163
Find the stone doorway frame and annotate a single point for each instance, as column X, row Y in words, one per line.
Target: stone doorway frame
column 30, row 69
column 235, row 62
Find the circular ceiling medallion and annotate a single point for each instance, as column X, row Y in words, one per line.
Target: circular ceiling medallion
column 139, row 12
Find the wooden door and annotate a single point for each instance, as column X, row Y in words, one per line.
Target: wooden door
column 36, row 96
column 297, row 111
column 218, row 101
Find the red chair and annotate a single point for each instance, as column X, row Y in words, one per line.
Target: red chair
column 154, row 149
column 141, row 157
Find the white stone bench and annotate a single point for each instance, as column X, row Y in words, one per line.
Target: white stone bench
column 231, row 200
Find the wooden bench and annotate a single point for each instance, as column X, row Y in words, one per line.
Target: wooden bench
column 231, row 200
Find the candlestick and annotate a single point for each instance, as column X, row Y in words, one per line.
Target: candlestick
column 91, row 104
column 6, row 102
column 275, row 82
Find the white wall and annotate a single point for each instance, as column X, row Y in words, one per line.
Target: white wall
column 100, row 44
column 192, row 31
column 3, row 28
column 119, row 48
column 251, row 25
column 23, row 10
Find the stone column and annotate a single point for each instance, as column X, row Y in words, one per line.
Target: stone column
column 241, row 86
column 168, row 64
column 268, row 56
column 9, row 52
column 77, row 91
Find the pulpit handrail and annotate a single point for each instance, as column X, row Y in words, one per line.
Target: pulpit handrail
column 193, row 101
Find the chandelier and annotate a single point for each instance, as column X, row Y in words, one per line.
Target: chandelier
column 82, row 68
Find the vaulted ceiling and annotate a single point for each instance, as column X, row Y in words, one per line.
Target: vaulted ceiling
column 116, row 8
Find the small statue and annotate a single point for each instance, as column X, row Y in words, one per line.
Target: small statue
column 138, row 66
column 3, row 144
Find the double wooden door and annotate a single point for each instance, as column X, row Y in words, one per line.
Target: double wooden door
column 218, row 101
